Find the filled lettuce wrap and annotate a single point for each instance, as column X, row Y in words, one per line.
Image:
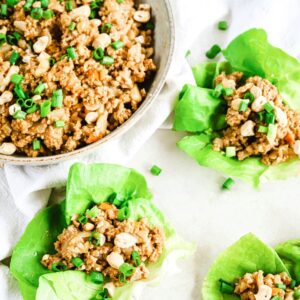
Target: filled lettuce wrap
column 105, row 241
column 243, row 116
column 249, row 269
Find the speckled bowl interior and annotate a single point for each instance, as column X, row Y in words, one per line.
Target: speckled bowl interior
column 164, row 49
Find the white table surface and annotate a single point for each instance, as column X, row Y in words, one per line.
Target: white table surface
column 191, row 198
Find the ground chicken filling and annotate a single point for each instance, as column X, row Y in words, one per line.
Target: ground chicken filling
column 256, row 286
column 70, row 71
column 259, row 122
column 99, row 244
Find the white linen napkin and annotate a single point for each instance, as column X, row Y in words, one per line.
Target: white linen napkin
column 25, row 190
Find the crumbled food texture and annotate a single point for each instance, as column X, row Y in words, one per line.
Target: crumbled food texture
column 257, row 286
column 103, row 244
column 266, row 127
column 97, row 96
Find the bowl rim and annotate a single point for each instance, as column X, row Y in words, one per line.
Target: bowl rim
column 137, row 115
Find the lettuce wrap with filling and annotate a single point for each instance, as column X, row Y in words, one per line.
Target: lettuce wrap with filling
column 202, row 115
column 88, row 185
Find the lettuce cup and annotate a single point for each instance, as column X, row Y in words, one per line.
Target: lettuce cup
column 243, row 117
column 105, row 241
column 251, row 270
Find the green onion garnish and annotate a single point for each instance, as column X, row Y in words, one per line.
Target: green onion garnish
column 36, row 13
column 52, row 61
column 268, row 107
column 243, row 105
column 3, row 10
column 228, row 184
column 45, row 108
column 228, row 92
column 97, row 277
column 36, row 145
column 213, row 51
column 82, row 219
column 281, row 286
column 16, row 78
column 44, row 3
column 32, row 109
column 136, row 258
column 117, row 45
column 126, row 270
column 293, row 284
column 69, row 5
column 272, row 132
column 276, row 298
column 2, row 39
column 230, row 151
column 155, row 170
column 48, row 14
column 120, row 1
column 93, row 213
column 71, row 53
column 72, row 26
column 106, row 27
column 223, row 25
column 39, row 89
column 150, row 26
column 60, row 124
column 107, row 60
column 297, row 294
column 270, row 118
column 218, row 90
column 262, row 129
column 28, row 5
column 57, row 98
column 19, row 92
column 12, row 3
column 96, row 238
column 58, row 267
column 14, row 57
column 77, row 262
column 225, row 287
column 249, row 96
column 261, row 115
column 98, row 54
column 28, row 103
column 123, row 213
column 21, row 115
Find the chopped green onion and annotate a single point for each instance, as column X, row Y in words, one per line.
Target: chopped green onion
column 120, row 1
column 97, row 277
column 20, row 115
column 150, row 26
column 39, row 89
column 228, row 92
column 263, row 129
column 12, row 3
column 136, row 258
column 155, row 170
column 272, row 132
column 230, row 151
column 126, row 270
column 52, row 61
column 60, row 124
column 276, row 298
column 218, row 90
column 4, row 10
column 123, row 213
column 72, row 26
column 96, row 238
column 93, row 14
column 261, row 116
column 71, row 53
column 44, row 3
column 36, row 13
column 249, row 96
column 223, row 25
column 82, row 219
column 28, row 5
column 28, row 103
column 117, row 200
column 2, row 39
column 16, row 79
column 281, row 286
column 297, row 294
column 93, row 213
column 19, row 92
column 96, row 4
column 107, row 60
column 228, row 184
column 268, row 107
column 69, row 5
column 58, row 267
column 36, row 145
column 98, row 54
column 20, row 102
column 270, row 118
column 14, row 57
column 117, row 45
column 48, row 14
column 244, row 105
column 77, row 262
column 32, row 109
column 106, row 27
column 225, row 287
column 213, row 51
column 57, row 98
column 293, row 284
column 45, row 108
